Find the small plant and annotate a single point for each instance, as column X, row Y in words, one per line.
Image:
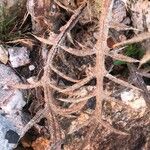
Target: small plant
column 7, row 26
column 133, row 51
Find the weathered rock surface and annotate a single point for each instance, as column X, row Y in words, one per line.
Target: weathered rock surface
column 18, row 56
column 140, row 13
column 11, row 104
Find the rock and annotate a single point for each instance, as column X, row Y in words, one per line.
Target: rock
column 119, row 11
column 140, row 13
column 11, row 100
column 18, row 56
column 31, row 67
column 16, row 103
column 140, row 16
column 134, row 99
column 11, row 104
column 127, row 96
column 8, row 134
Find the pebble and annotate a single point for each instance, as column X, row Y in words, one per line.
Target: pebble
column 134, row 99
column 119, row 11
column 31, row 67
column 18, row 56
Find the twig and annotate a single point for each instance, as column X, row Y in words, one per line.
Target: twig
column 64, row 30
column 54, row 126
column 121, row 82
column 139, row 38
column 77, row 100
column 62, row 74
column 25, row 86
column 62, row 6
column 101, row 47
column 84, row 52
column 139, row 82
column 122, row 57
column 39, row 115
column 78, row 85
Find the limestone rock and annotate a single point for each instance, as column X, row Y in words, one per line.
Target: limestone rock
column 11, row 104
column 18, row 56
column 140, row 13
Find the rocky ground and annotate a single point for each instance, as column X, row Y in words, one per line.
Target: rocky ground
column 47, row 63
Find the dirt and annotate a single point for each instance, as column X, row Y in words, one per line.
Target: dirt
column 77, row 112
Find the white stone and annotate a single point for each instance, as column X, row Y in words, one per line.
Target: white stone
column 134, row 99
column 5, row 125
column 18, row 56
column 127, row 96
column 11, row 104
column 15, row 103
column 11, row 100
column 118, row 11
column 31, row 67
column 32, row 79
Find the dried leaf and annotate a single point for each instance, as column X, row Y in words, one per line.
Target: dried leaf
column 110, row 42
column 26, row 142
column 3, row 55
column 81, row 121
column 46, row 41
column 40, row 144
column 123, row 58
column 57, row 145
column 25, row 42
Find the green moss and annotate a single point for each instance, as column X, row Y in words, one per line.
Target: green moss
column 134, row 51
